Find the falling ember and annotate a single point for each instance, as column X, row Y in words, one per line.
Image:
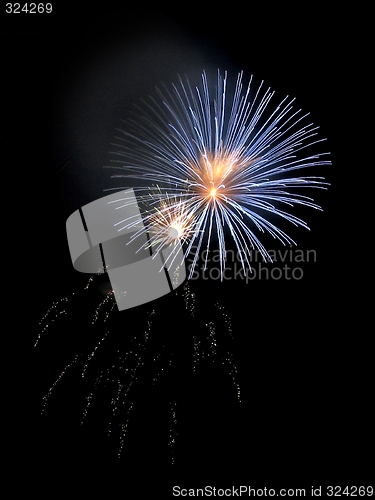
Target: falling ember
column 92, row 354
column 143, row 356
column 108, row 299
column 53, row 386
column 58, row 308
column 173, row 431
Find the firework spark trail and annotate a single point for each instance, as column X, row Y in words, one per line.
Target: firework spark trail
column 214, row 348
column 108, row 299
column 173, row 431
column 133, row 373
column 121, row 374
column 116, row 402
column 162, row 370
column 137, row 345
column 155, row 359
column 55, row 308
column 189, row 298
column 92, row 354
column 229, row 359
column 142, row 346
column 196, row 351
column 212, row 336
column 233, row 373
column 124, row 428
column 120, row 385
column 124, row 386
column 90, row 395
column 50, row 390
column 226, row 317
column 225, row 164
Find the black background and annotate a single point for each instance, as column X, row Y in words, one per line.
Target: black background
column 300, row 349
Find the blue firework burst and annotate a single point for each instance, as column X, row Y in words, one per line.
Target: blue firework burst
column 227, row 160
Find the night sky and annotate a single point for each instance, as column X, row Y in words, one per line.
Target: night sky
column 70, row 80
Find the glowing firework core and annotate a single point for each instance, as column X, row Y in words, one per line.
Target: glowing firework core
column 212, row 172
column 216, row 172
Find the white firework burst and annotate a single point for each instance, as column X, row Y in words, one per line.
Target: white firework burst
column 220, row 162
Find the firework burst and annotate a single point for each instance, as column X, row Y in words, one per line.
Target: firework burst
column 167, row 220
column 220, row 162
